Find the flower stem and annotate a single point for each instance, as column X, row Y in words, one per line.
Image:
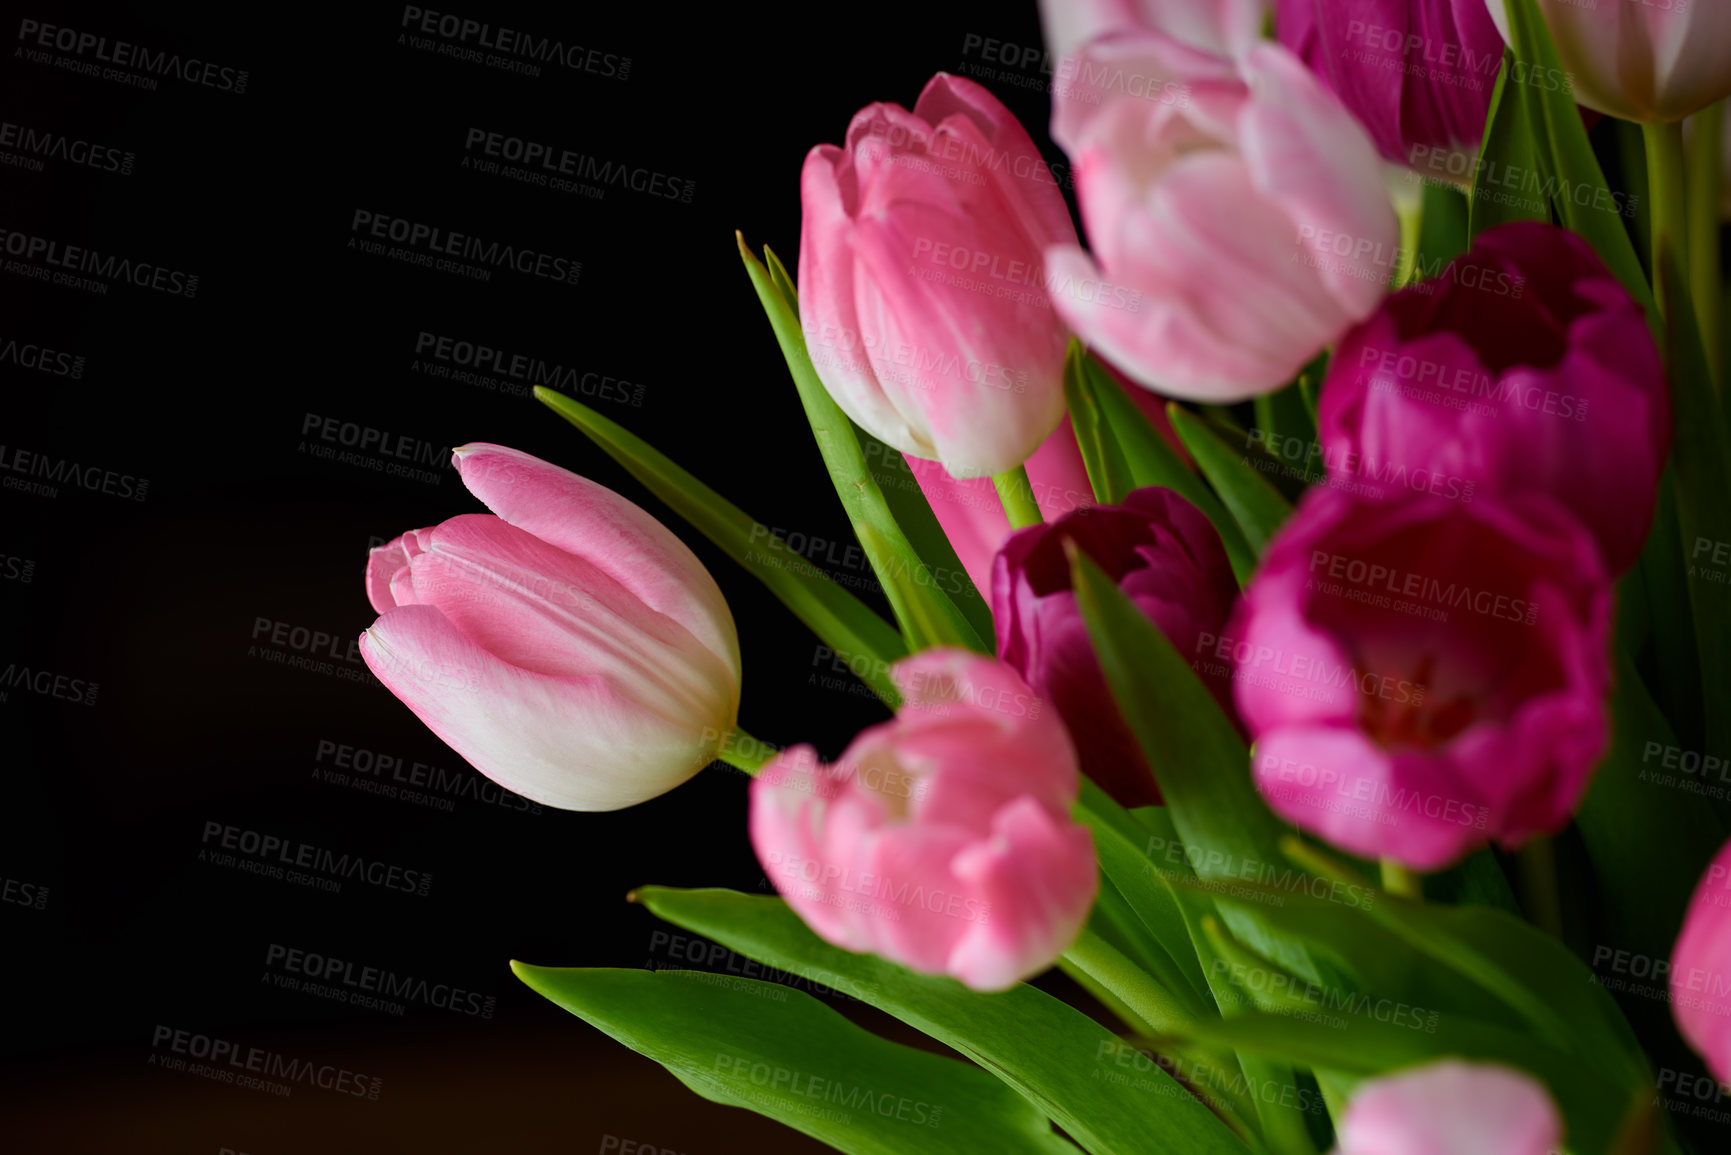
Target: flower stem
column 1398, row 879
column 1017, row 494
column 1156, row 1008
column 743, row 752
column 1539, row 892
column 1706, row 190
column 1665, row 185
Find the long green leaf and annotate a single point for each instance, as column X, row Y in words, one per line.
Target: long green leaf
column 785, row 1055
column 1076, row 1071
column 925, row 613
column 1102, row 456
column 1153, row 462
column 1582, row 195
column 846, row 624
column 1509, row 153
column 1255, row 504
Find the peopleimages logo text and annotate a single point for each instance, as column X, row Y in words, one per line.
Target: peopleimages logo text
column 79, row 259
column 123, row 54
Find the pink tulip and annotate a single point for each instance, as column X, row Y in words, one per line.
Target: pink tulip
column 1658, row 60
column 972, row 514
column 570, row 648
column 1451, row 1107
column 1220, row 26
column 921, row 285
column 1523, row 365
column 1424, row 676
column 1236, row 211
column 941, row 839
column 1418, row 74
column 1701, row 969
column 1167, row 559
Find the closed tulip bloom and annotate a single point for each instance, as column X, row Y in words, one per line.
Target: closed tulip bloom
column 1418, row 74
column 1701, row 969
column 1424, row 676
column 1236, row 213
column 921, row 284
column 1656, row 61
column 1523, row 365
column 1220, row 26
column 568, row 645
column 941, row 839
column 1451, row 1107
column 972, row 514
column 1167, row 559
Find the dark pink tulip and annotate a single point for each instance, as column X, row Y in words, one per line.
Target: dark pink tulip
column 1522, row 365
column 1424, row 676
column 1167, row 559
column 1701, row 969
column 1419, row 74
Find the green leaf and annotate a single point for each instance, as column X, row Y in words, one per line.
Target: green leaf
column 1103, row 457
column 1284, row 415
column 1073, row 1069
column 1443, row 229
column 783, row 1054
column 846, row 624
column 908, row 505
column 1581, row 194
column 1153, row 462
column 1510, row 150
column 925, row 613
column 1255, row 504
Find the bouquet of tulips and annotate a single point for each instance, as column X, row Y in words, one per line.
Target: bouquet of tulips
column 1311, row 627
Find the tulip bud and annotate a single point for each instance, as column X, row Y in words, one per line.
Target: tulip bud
column 1167, row 559
column 1701, row 969
column 1656, row 61
column 571, row 648
column 941, row 839
column 1424, row 676
column 1419, row 74
column 1236, row 213
column 1522, row 365
column 1449, row 1107
column 922, row 290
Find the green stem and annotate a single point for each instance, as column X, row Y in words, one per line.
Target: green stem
column 1410, row 210
column 1539, row 892
column 1706, row 190
column 1156, row 1009
column 1017, row 494
column 743, row 752
column 1666, row 187
column 1398, row 879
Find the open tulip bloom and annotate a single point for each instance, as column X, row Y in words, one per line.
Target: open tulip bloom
column 1336, row 758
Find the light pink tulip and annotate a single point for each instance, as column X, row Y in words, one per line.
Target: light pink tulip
column 921, row 285
column 941, row 839
column 972, row 514
column 1657, row 60
column 1236, row 212
column 1220, row 26
column 570, row 648
column 1701, row 969
column 1452, row 1107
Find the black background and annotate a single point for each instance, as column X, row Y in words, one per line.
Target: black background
column 156, row 601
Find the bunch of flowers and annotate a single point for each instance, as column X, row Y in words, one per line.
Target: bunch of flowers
column 1342, row 523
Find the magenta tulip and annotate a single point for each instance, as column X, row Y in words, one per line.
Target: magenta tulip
column 1236, row 211
column 1418, row 74
column 1220, row 26
column 1167, row 559
column 972, row 514
column 1642, row 60
column 941, row 839
column 1450, row 1107
column 570, row 648
column 1701, row 969
column 1523, row 365
column 921, row 283
column 1424, row 676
